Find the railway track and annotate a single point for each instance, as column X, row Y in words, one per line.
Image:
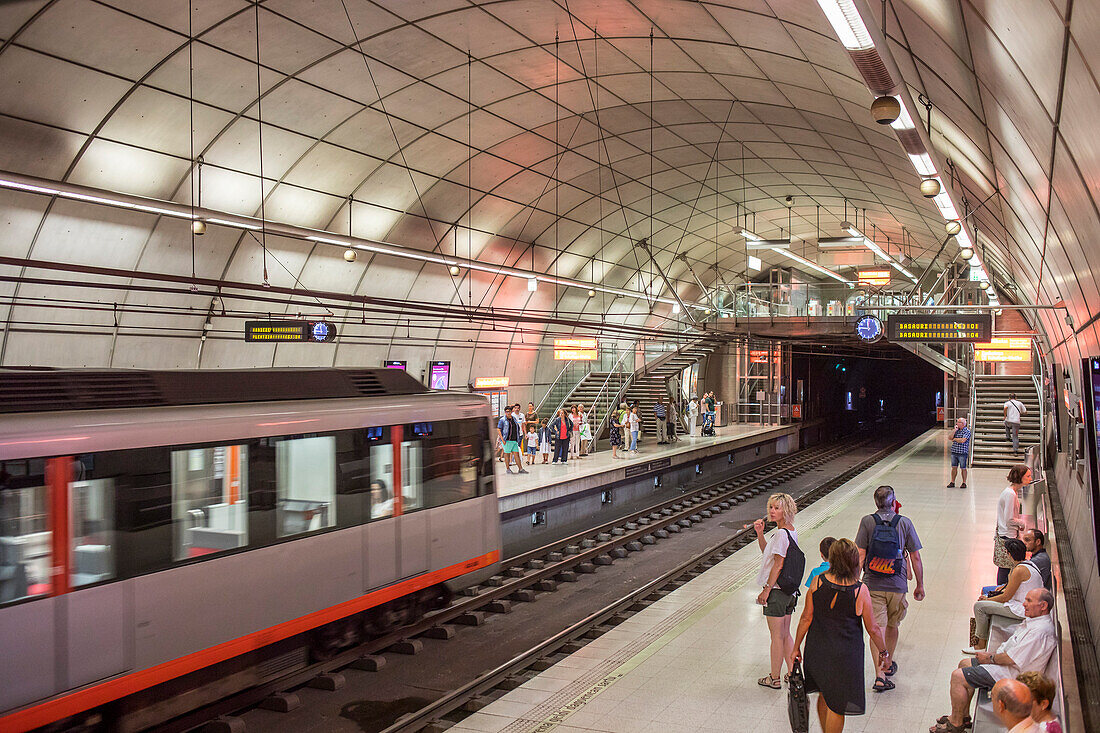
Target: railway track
column 530, row 575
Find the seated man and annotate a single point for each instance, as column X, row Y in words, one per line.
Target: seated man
column 1027, row 650
column 1012, row 706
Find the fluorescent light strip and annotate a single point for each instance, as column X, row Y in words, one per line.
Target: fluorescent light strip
column 847, row 24
column 28, row 187
column 943, row 203
column 812, row 265
column 749, row 235
column 904, row 120
column 924, row 165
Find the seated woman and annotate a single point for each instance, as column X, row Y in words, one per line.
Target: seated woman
column 1009, row 603
column 381, row 500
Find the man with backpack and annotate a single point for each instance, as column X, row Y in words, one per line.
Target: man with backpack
column 884, row 540
column 1014, row 410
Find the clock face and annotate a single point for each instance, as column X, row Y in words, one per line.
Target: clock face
column 869, row 328
column 322, row 331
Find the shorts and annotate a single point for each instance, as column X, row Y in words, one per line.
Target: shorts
column 532, row 449
column 890, row 607
column 978, row 677
column 511, row 446
column 780, row 604
column 958, row 460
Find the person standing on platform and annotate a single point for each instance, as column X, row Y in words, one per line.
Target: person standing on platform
column 532, row 416
column 635, row 428
column 615, row 433
column 1036, row 543
column 545, row 441
column 660, row 414
column 960, row 451
column 673, row 416
column 1014, row 410
column 575, row 435
column 693, row 415
column 561, row 430
column 1009, row 522
column 830, row 624
column 531, row 442
column 509, row 432
column 885, row 539
column 778, row 604
column 586, row 431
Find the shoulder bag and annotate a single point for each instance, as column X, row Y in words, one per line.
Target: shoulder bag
column 798, row 703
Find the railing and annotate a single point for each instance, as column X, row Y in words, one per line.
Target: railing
column 571, row 375
column 809, row 299
column 607, row 399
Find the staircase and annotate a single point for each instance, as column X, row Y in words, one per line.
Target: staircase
column 990, row 449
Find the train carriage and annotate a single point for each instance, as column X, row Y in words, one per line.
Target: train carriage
column 162, row 532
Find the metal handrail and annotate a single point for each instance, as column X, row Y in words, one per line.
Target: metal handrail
column 550, row 389
column 614, row 402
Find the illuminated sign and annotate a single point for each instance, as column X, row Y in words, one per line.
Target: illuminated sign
column 392, row 364
column 1001, row 343
column 574, row 349
column 439, row 375
column 760, row 356
column 972, row 328
column 490, row 382
column 1001, row 355
column 319, row 332
column 874, row 277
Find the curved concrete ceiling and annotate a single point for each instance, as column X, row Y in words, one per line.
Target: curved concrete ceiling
column 546, row 135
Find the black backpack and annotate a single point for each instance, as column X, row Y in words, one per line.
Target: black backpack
column 884, row 552
column 794, row 565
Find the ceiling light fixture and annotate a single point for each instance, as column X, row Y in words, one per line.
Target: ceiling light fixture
column 839, row 242
column 966, row 253
column 904, row 120
column 867, row 242
column 755, row 263
column 812, row 265
column 923, row 164
column 848, row 25
column 747, row 234
column 953, row 227
column 532, row 284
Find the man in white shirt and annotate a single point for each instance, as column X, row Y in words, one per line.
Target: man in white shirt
column 1028, row 649
column 1012, row 706
column 1014, row 409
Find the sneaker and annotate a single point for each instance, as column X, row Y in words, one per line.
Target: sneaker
column 951, row 485
column 962, row 486
column 522, row 471
column 971, row 651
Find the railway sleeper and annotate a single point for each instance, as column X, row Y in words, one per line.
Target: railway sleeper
column 440, row 631
column 602, row 560
column 281, row 702
column 500, row 605
column 410, row 647
column 620, row 552
column 225, row 724
column 332, row 681
column 369, row 663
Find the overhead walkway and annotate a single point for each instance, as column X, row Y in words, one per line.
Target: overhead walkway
column 690, row 661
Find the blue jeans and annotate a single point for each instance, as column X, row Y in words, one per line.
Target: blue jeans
column 633, row 440
column 958, row 460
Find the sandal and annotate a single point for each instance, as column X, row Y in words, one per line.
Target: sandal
column 882, row 684
column 968, row 722
column 769, row 681
column 893, row 669
column 946, row 727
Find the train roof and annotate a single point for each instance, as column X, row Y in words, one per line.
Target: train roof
column 33, row 389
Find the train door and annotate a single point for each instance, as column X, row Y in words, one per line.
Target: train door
column 381, row 548
column 412, row 525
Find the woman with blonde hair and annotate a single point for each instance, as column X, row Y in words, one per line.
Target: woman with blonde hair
column 830, row 624
column 778, row 604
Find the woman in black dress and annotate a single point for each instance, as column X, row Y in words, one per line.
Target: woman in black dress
column 834, row 642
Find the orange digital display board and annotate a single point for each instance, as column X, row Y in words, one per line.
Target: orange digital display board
column 1000, row 343
column 576, row 349
column 1001, row 355
column 874, row 277
column 490, row 382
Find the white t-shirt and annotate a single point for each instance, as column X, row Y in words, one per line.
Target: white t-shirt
column 1007, row 509
column 1013, row 410
column 635, row 422
column 776, row 547
column 693, row 410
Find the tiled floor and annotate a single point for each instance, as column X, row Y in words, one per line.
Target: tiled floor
column 690, row 661
column 542, row 475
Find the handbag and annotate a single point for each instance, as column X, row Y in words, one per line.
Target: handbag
column 1001, row 558
column 798, row 703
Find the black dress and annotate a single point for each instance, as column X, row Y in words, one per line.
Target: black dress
column 834, row 648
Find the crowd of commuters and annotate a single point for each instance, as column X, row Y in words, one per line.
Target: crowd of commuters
column 862, row 586
column 523, row 436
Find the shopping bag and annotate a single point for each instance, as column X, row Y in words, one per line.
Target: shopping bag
column 798, row 704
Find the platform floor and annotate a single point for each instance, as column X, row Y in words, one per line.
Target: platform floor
column 576, row 468
column 690, row 661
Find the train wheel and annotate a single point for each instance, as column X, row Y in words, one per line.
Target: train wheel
column 327, row 641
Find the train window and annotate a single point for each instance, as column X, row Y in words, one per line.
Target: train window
column 381, row 479
column 446, row 461
column 209, row 500
column 92, row 516
column 364, row 475
column 412, row 477
column 24, row 530
column 305, row 479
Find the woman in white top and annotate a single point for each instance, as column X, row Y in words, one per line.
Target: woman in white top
column 778, row 605
column 586, row 430
column 693, row 415
column 1009, row 603
column 1009, row 522
column 635, row 429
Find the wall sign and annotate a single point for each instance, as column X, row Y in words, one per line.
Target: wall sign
column 490, row 382
column 392, row 364
column 1001, row 355
column 320, row 332
column 439, row 375
column 874, row 277
column 969, row 328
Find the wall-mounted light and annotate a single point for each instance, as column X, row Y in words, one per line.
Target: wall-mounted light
column 454, row 270
column 349, row 255
column 198, row 227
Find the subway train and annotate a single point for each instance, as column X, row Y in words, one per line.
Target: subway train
column 169, row 537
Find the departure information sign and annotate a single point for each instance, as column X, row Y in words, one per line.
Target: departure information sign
column 319, row 332
column 974, row 327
